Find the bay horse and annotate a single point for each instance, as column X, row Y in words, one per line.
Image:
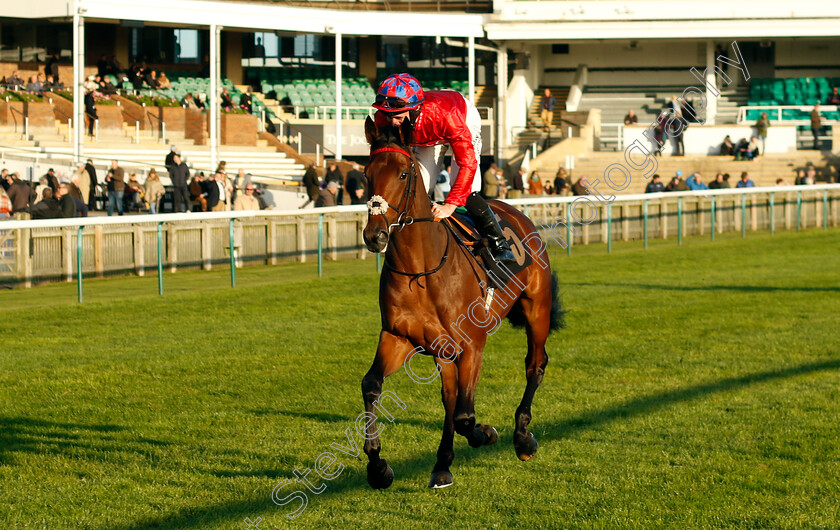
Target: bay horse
column 446, row 284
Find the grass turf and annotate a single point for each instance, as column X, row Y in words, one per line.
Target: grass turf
column 694, row 386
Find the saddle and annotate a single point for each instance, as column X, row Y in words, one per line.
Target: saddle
column 467, row 235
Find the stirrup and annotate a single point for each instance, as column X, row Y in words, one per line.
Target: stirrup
column 500, row 250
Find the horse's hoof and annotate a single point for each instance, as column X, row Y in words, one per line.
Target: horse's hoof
column 379, row 475
column 440, row 479
column 527, row 450
column 491, row 432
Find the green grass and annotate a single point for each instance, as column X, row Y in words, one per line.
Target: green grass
column 694, row 387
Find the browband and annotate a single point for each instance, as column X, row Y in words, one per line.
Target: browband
column 386, row 149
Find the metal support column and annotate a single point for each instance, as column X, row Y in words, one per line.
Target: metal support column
column 78, row 86
column 214, row 101
column 338, row 81
column 471, row 66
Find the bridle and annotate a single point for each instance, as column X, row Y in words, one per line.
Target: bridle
column 377, row 205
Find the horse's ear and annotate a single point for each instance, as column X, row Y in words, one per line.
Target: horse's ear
column 371, row 132
column 406, row 132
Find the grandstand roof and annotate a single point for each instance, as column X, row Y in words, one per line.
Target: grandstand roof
column 654, row 19
column 259, row 16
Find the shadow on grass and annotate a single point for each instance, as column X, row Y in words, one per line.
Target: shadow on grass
column 37, row 436
column 327, row 417
column 418, row 467
column 742, row 288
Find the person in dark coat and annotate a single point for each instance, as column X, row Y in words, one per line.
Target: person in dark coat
column 356, row 185
column 90, row 111
column 66, row 202
column 47, row 208
column 93, row 183
column 312, row 184
column 327, row 196
column 179, row 173
column 334, row 174
column 19, row 193
column 655, row 185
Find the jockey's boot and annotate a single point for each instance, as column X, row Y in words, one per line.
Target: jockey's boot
column 489, row 227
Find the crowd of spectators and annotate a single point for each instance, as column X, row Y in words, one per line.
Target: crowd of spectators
column 336, row 188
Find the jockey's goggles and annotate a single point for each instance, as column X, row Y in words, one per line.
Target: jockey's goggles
column 392, row 103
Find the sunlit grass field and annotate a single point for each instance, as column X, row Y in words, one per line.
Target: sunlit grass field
column 695, row 386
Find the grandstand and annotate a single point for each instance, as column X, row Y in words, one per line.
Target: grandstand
column 599, row 62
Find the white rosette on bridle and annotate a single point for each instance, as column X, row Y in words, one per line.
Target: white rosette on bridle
column 377, row 205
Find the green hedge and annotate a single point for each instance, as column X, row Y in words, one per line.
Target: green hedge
column 23, row 96
column 153, row 101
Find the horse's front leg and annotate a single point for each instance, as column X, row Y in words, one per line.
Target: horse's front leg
column 390, row 356
column 441, row 476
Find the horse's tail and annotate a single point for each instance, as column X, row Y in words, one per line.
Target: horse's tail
column 517, row 318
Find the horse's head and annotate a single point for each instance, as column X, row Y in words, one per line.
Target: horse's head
column 391, row 179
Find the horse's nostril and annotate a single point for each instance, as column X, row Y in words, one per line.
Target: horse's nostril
column 382, row 238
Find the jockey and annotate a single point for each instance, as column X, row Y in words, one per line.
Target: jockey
column 440, row 118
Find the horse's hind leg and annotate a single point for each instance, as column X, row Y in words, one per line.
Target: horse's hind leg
column 390, row 356
column 538, row 326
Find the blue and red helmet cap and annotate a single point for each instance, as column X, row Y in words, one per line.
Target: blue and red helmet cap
column 398, row 93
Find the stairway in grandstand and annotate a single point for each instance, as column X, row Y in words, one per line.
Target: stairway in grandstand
column 263, row 161
column 764, row 171
column 646, row 102
column 534, row 132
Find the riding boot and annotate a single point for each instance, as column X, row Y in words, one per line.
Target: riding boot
column 489, row 227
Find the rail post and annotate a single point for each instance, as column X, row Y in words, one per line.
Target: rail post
column 609, row 228
column 712, row 220
column 645, row 215
column 160, row 257
column 568, row 229
column 679, row 221
column 232, row 255
column 320, row 245
column 772, row 213
column 79, row 262
column 825, row 209
column 743, row 215
column 798, row 211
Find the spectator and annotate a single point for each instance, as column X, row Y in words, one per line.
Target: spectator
column 248, row 201
column 179, row 174
column 227, row 102
column 631, row 118
column 91, row 171
column 742, row 150
column 116, row 188
column 81, row 179
column 5, row 179
column 780, row 182
column 20, row 194
column 312, row 184
column 678, row 136
column 15, row 82
column 561, row 182
column 222, row 167
column 327, row 196
column 102, row 67
column 833, row 98
column 745, row 181
column 490, row 183
column 695, row 182
column 655, row 185
column 535, row 186
column 151, row 79
column 356, row 185
column 189, row 101
column 90, row 111
column 659, row 133
column 34, row 86
column 47, row 207
column 442, row 187
column 5, row 205
column 259, row 50
column 154, row 191
column 198, row 191
column 579, row 187
column 718, row 183
column 800, row 177
column 245, row 100
column 727, row 148
column 677, row 183
column 816, row 125
column 548, row 189
column 170, row 156
column 547, row 109
column 753, row 148
column 107, row 87
column 51, row 68
column 810, row 177
column 52, row 181
column 216, row 193
column 761, row 128
column 65, row 201
column 133, row 192
column 334, row 174
column 201, row 101
column 517, row 184
column 163, row 81
column 51, row 85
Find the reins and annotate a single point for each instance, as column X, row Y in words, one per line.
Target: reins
column 379, row 206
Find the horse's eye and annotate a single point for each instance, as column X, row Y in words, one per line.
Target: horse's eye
column 404, row 175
